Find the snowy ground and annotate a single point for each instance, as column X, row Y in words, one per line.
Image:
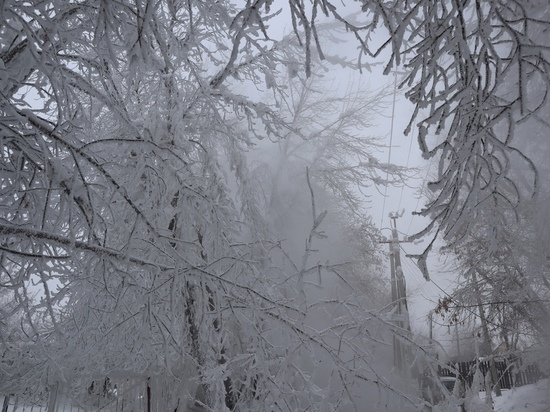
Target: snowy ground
column 529, row 398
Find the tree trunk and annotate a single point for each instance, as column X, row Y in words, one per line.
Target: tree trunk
column 6, row 403
column 148, row 395
column 486, row 338
column 53, row 398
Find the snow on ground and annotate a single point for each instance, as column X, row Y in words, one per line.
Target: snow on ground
column 528, row 398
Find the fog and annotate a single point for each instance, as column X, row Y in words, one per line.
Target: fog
column 214, row 206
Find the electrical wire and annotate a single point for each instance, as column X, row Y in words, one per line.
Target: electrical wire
column 420, row 196
column 406, row 166
column 467, row 309
column 390, row 147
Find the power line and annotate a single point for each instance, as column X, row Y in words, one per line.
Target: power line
column 406, row 166
column 465, row 308
column 389, row 151
column 420, row 195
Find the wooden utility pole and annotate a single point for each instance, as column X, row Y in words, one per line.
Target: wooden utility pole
column 431, row 323
column 52, row 401
column 399, row 294
column 457, row 341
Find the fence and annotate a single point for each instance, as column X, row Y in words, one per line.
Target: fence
column 142, row 394
column 511, row 372
column 128, row 395
column 117, row 394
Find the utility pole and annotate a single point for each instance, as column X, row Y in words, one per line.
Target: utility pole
column 399, row 294
column 433, row 350
column 457, row 342
column 431, row 323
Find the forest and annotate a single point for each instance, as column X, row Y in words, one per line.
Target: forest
column 186, row 214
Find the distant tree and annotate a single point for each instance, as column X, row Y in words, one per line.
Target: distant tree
column 327, row 146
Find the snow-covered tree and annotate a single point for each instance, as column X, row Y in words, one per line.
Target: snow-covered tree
column 327, row 158
column 113, row 115
column 504, row 264
column 124, row 126
column 128, row 253
column 474, row 70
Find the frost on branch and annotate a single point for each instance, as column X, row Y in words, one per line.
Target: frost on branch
column 475, row 71
column 133, row 242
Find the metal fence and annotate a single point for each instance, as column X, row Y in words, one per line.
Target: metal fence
column 511, row 372
column 143, row 395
